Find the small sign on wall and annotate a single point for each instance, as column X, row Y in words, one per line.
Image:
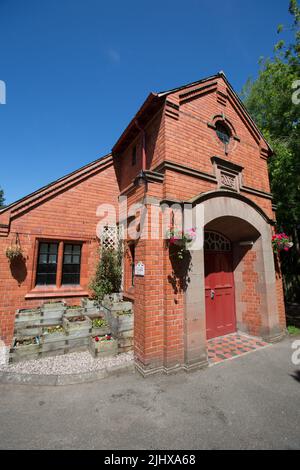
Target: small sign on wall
column 139, row 269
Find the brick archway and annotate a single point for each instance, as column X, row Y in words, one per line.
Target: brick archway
column 257, row 310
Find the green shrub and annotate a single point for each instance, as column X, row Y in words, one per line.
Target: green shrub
column 108, row 276
column 293, row 330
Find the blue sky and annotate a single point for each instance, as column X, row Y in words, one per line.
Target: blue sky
column 76, row 71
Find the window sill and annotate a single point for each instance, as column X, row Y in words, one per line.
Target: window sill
column 42, row 292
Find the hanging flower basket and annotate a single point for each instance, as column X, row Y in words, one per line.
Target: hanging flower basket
column 281, row 242
column 14, row 252
column 181, row 239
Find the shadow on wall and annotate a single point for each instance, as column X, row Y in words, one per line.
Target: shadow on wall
column 179, row 279
column 18, row 269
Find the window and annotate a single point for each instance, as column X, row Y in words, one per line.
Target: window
column 47, row 264
column 133, row 157
column 223, row 132
column 59, row 263
column 71, row 264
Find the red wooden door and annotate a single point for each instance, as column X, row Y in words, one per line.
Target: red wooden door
column 219, row 294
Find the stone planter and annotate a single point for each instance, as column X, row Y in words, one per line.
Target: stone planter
column 103, row 348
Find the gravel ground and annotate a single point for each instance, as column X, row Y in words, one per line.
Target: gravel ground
column 73, row 363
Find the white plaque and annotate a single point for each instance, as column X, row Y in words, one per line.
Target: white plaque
column 139, row 269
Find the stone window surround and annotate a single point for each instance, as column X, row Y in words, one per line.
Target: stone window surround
column 233, row 137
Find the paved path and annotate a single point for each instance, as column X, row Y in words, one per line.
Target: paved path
column 250, row 402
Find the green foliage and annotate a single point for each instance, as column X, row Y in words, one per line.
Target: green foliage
column 108, row 277
column 99, row 322
column 1, row 198
column 293, row 330
column 269, row 101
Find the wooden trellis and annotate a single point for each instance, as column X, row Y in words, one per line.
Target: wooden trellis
column 111, row 236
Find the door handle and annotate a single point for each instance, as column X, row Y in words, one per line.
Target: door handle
column 212, row 294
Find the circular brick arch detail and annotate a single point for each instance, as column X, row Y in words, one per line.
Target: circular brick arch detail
column 214, row 206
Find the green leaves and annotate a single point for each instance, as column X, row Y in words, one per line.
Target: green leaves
column 1, row 198
column 269, row 101
column 279, row 28
column 108, row 277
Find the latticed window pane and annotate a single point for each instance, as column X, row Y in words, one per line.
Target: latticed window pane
column 223, row 132
column 47, row 264
column 44, row 247
column 214, row 241
column 43, row 259
column 71, row 264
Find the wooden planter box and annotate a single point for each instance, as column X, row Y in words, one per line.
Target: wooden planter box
column 50, row 309
column 64, row 342
column 23, row 352
column 119, row 321
column 103, row 348
column 101, row 331
column 74, row 312
column 36, row 317
column 52, row 344
column 91, row 307
column 120, row 318
column 125, row 341
column 72, row 327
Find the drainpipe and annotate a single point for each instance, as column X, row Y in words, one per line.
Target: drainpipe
column 143, row 145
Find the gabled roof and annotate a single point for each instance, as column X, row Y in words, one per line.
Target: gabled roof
column 155, row 100
column 59, row 185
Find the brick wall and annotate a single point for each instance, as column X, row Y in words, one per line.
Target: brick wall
column 181, row 133
column 185, row 139
column 70, row 215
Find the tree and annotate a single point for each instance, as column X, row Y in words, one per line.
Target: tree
column 1, row 198
column 108, row 276
column 269, row 100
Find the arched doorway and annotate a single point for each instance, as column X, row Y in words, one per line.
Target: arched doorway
column 248, row 228
column 219, row 285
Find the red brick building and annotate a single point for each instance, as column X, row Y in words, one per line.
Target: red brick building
column 195, row 146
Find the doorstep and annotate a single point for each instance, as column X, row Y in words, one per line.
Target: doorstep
column 231, row 346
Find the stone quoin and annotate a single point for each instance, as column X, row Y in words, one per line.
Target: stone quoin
column 195, row 145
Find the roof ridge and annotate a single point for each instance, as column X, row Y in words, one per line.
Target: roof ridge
column 197, row 82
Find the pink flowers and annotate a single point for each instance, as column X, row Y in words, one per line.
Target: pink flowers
column 180, row 238
column 103, row 338
column 281, row 242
